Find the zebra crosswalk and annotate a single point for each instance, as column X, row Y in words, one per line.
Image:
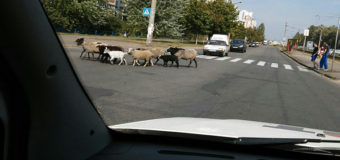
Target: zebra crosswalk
column 259, row 63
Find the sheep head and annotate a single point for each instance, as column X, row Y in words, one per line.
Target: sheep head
column 80, row 41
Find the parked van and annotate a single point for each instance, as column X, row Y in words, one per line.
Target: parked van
column 218, row 45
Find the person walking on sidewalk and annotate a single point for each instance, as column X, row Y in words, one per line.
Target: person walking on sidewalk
column 323, row 61
column 315, row 55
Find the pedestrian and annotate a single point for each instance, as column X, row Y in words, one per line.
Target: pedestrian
column 323, row 61
column 315, row 55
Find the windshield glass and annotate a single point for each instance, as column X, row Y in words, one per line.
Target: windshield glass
column 145, row 59
column 237, row 41
column 220, row 43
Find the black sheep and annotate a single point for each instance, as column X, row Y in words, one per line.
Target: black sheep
column 167, row 58
column 173, row 50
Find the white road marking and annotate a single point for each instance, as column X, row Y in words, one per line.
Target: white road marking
column 275, row 65
column 261, row 63
column 236, row 60
column 249, row 61
column 206, row 57
column 222, row 58
column 288, row 67
column 303, row 69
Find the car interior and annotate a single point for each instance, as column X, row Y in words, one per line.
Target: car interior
column 46, row 113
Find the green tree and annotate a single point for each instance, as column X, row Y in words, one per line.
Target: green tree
column 169, row 15
column 224, row 16
column 261, row 31
column 238, row 32
column 197, row 18
column 83, row 14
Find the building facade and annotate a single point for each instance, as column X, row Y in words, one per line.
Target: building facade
column 246, row 18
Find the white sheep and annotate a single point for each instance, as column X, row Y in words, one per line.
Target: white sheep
column 141, row 55
column 116, row 54
column 89, row 47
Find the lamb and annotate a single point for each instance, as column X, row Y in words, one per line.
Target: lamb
column 186, row 54
column 116, row 54
column 104, row 56
column 171, row 58
column 141, row 55
column 89, row 47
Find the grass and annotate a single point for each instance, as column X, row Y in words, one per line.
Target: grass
column 164, row 42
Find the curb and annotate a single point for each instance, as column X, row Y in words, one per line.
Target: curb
column 310, row 68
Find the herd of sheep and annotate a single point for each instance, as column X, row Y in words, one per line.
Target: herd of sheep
column 109, row 53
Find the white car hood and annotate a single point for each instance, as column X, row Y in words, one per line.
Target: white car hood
column 229, row 128
column 214, row 47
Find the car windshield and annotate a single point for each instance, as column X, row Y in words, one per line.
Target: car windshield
column 148, row 59
column 220, row 43
column 235, row 41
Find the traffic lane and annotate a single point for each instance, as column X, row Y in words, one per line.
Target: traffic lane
column 218, row 90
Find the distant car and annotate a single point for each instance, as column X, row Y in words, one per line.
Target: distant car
column 253, row 44
column 218, row 45
column 238, row 45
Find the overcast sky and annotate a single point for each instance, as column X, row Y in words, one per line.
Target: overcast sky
column 299, row 14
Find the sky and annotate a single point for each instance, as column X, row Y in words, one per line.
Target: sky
column 299, row 14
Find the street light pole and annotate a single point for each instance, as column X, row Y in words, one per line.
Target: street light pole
column 151, row 23
column 336, row 42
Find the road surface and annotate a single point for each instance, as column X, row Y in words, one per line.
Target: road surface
column 261, row 85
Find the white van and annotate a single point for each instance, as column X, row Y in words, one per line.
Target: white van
column 218, row 45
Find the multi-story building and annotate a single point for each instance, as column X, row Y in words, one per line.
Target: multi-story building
column 246, row 18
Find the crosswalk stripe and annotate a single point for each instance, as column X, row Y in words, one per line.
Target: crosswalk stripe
column 275, row 65
column 249, row 61
column 222, row 58
column 203, row 56
column 236, row 60
column 261, row 63
column 303, row 69
column 288, row 67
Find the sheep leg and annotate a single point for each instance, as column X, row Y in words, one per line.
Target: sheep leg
column 195, row 62
column 177, row 63
column 111, row 61
column 134, row 62
column 125, row 62
column 157, row 60
column 151, row 62
column 121, row 61
column 190, row 63
column 146, row 63
column 81, row 54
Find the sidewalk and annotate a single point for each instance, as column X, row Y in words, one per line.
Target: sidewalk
column 305, row 60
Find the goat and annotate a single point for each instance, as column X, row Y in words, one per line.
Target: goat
column 185, row 54
column 141, row 55
column 89, row 47
column 116, row 54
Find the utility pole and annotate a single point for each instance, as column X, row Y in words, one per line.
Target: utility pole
column 284, row 35
column 336, row 42
column 320, row 38
column 151, row 23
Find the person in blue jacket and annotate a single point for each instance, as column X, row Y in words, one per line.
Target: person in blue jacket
column 323, row 61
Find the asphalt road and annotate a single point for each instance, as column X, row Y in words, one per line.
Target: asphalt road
column 261, row 85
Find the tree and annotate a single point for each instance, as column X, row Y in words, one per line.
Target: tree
column 83, row 14
column 238, row 32
column 300, row 37
column 168, row 18
column 224, row 15
column 261, row 31
column 197, row 18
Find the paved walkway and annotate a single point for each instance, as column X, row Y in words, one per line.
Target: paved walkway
column 305, row 59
